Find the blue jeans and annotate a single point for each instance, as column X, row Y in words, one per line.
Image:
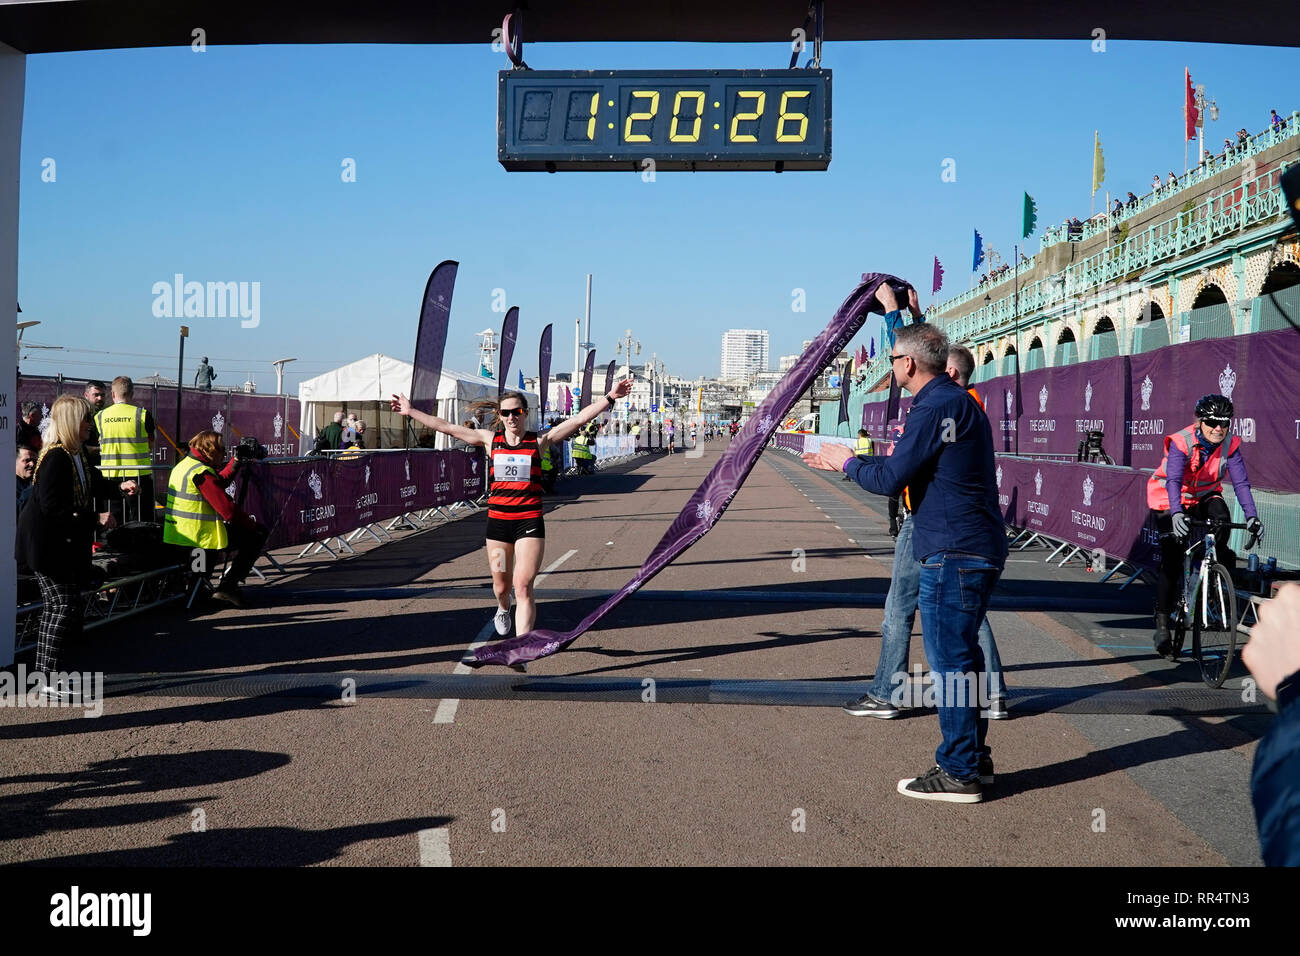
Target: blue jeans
column 955, row 590
column 896, row 631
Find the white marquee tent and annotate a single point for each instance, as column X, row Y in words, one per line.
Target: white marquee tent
column 365, row 386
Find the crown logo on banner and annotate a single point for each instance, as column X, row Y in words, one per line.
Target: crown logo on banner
column 407, row 465
column 1087, row 490
column 1087, row 397
column 1148, row 387
column 473, row 465
column 277, row 423
column 442, row 468
column 1227, row 381
column 1038, row 482
column 999, row 475
column 765, row 423
column 1011, row 401
column 1042, row 399
column 218, row 422
column 367, row 476
column 704, row 510
column 314, row 483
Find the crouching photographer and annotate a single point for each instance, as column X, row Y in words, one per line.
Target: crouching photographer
column 201, row 515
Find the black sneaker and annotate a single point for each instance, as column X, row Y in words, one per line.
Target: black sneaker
column 936, row 784
column 868, row 706
column 986, row 771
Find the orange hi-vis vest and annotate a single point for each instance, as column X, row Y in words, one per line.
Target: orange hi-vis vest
column 1204, row 475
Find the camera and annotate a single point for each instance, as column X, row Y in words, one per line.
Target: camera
column 250, row 449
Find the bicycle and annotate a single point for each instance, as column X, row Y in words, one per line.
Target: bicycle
column 1208, row 604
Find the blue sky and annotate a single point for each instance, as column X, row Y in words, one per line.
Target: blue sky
column 225, row 166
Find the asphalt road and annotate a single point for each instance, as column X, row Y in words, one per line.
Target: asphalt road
column 332, row 724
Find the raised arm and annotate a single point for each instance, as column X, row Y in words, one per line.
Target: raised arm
column 471, row 436
column 570, row 426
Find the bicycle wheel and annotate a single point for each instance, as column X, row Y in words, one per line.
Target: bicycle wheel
column 1214, row 626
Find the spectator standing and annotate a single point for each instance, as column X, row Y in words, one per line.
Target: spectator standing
column 945, row 458
column 1274, row 120
column 57, row 526
column 360, row 436
column 29, row 426
column 24, row 468
column 331, row 436
column 94, row 394
column 1155, row 183
column 126, row 439
column 1173, row 180
column 205, row 375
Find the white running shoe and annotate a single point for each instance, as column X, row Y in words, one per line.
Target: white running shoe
column 502, row 621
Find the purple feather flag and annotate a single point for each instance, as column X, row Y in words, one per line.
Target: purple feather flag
column 568, row 401
column 431, row 339
column 544, row 366
column 938, row 277
column 588, row 370
column 609, row 378
column 711, row 499
column 845, row 380
column 509, row 332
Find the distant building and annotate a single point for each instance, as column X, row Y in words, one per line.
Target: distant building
column 787, row 362
column 743, row 351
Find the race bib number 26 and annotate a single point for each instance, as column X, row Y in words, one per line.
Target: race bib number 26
column 512, row 467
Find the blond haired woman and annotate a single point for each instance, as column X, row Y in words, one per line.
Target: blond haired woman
column 516, row 531
column 57, row 526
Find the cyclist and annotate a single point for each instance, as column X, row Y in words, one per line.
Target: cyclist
column 1189, row 485
column 516, row 534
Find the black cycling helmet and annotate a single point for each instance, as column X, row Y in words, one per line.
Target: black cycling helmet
column 1214, row 406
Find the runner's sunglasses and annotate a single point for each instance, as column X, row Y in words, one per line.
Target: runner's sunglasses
column 512, row 412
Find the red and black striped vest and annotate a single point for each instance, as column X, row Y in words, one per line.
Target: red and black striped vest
column 516, row 489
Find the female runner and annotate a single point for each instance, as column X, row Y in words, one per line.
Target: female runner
column 516, row 534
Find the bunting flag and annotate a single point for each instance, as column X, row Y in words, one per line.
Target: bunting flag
column 544, row 367
column 862, row 357
column 1098, row 163
column 587, row 371
column 1190, row 113
column 609, row 378
column 978, row 257
column 710, row 501
column 509, row 332
column 1030, row 219
column 431, row 338
column 937, row 283
column 845, row 380
column 522, row 386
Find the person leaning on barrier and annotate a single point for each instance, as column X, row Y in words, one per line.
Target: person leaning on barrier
column 126, row 437
column 945, row 459
column 201, row 515
column 1273, row 656
column 1189, row 484
column 57, row 526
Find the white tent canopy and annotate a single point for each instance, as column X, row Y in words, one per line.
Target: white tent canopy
column 365, row 387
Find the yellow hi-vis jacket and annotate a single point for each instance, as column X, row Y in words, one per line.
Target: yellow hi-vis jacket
column 189, row 519
column 123, row 441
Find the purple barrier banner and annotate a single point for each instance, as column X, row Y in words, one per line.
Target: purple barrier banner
column 304, row 501
column 1097, row 507
column 1138, row 400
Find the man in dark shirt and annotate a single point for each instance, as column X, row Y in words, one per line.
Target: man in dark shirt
column 945, row 459
column 29, row 431
column 94, row 393
column 24, row 468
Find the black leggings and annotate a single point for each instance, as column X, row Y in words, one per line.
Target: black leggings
column 1169, row 580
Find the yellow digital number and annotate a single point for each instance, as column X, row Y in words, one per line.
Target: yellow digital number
column 591, row 123
column 781, row 135
column 694, row 136
column 628, row 135
column 760, row 99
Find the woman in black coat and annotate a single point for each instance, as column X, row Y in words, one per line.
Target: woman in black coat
column 57, row 526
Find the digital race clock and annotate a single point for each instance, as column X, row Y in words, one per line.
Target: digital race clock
column 695, row 120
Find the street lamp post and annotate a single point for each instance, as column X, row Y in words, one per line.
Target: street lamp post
column 1201, row 107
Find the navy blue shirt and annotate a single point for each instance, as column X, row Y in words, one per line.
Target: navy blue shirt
column 945, row 458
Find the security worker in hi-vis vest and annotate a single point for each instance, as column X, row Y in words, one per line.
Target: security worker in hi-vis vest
column 201, row 515
column 861, row 447
column 126, row 437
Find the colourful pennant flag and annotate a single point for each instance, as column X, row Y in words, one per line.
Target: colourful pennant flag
column 1030, row 219
column 938, row 276
column 1190, row 113
column 978, row 257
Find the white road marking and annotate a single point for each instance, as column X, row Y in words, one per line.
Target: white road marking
column 446, row 711
column 435, row 847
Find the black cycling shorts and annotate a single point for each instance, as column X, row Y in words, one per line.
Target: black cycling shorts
column 508, row 531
